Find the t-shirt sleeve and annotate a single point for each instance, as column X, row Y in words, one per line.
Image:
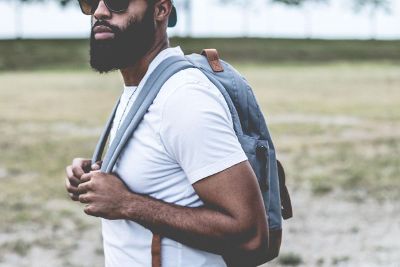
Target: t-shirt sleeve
column 196, row 130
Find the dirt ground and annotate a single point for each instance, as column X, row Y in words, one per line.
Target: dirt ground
column 326, row 231
column 332, row 231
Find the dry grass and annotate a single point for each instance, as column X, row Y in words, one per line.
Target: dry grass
column 337, row 129
column 336, row 126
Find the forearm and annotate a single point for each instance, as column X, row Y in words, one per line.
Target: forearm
column 232, row 223
column 202, row 227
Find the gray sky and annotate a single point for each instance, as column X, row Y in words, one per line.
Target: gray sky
column 336, row 20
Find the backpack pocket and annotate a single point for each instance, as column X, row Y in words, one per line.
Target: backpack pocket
column 257, row 152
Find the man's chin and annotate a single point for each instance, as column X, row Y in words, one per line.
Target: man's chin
column 103, row 67
column 107, row 64
column 103, row 57
column 102, row 70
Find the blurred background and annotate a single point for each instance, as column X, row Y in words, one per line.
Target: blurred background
column 326, row 74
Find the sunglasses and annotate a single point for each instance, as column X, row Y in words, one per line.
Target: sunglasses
column 88, row 7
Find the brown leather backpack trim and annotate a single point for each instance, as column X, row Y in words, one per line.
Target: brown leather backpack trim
column 156, row 251
column 213, row 59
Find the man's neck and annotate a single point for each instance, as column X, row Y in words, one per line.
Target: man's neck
column 134, row 74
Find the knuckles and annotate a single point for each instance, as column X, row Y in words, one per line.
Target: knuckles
column 92, row 211
column 70, row 189
column 88, row 210
column 83, row 188
column 96, row 178
column 74, row 197
column 83, row 199
column 70, row 173
column 96, row 175
column 76, row 170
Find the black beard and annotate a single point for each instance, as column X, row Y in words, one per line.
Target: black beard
column 126, row 48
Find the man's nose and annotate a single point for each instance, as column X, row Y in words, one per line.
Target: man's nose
column 102, row 12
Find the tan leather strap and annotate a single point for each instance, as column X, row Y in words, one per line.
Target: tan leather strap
column 213, row 59
column 156, row 251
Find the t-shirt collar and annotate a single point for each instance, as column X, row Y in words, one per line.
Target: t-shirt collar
column 164, row 54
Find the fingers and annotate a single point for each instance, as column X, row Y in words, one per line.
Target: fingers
column 79, row 179
column 96, row 166
column 72, row 190
column 87, row 182
column 91, row 210
column 85, row 187
column 81, row 166
column 71, row 184
column 85, row 198
column 72, row 179
column 77, row 168
column 86, row 177
column 79, row 193
column 74, row 197
column 74, row 172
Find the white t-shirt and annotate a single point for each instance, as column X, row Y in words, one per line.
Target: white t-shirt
column 186, row 135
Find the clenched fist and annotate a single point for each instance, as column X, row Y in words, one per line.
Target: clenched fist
column 75, row 171
column 104, row 194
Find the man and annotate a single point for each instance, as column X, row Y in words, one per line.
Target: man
column 183, row 175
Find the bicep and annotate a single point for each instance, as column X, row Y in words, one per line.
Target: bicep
column 234, row 191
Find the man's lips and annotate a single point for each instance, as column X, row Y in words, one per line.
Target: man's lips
column 103, row 32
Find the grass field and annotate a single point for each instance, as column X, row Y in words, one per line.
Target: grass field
column 336, row 127
column 67, row 54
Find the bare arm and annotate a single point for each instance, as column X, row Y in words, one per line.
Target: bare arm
column 232, row 222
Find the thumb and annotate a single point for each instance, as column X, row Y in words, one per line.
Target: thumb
column 96, row 166
column 86, row 177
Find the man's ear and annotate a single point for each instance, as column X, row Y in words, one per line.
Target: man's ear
column 162, row 9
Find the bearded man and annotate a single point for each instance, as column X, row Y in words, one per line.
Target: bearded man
column 183, row 176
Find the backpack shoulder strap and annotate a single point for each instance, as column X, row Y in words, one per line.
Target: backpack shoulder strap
column 157, row 78
column 98, row 152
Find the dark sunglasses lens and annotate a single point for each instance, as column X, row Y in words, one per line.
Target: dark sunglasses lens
column 88, row 7
column 117, row 5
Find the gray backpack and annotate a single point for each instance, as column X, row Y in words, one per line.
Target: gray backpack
column 248, row 122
